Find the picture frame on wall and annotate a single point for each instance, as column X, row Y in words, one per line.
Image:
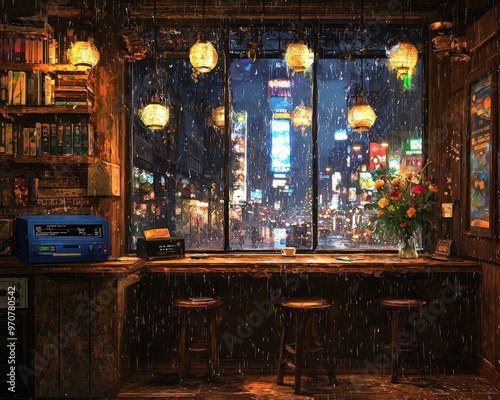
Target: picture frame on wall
column 480, row 200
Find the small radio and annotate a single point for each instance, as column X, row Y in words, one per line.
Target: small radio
column 160, row 248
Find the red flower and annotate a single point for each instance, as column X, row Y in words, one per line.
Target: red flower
column 403, row 224
column 368, row 198
column 396, row 194
column 418, row 190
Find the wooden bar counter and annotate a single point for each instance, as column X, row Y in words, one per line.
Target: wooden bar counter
column 364, row 263
column 252, row 284
column 91, row 324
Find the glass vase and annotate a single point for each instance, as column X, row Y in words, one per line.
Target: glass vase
column 407, row 247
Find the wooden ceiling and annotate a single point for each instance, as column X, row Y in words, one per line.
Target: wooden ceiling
column 187, row 11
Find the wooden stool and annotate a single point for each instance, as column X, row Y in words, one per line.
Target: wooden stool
column 301, row 315
column 205, row 306
column 396, row 306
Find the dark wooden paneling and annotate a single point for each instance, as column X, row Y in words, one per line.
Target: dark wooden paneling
column 46, row 354
column 75, row 311
column 103, row 337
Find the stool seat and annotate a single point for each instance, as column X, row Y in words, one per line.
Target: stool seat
column 396, row 306
column 302, row 314
column 404, row 303
column 305, row 303
column 206, row 303
column 206, row 307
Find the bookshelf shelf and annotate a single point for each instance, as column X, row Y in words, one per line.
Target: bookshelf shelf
column 47, row 68
column 49, row 109
column 47, row 159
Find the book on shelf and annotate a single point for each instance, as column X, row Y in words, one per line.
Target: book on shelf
column 77, row 139
column 16, row 87
column 53, row 54
column 60, row 139
column 16, row 133
column 6, row 47
column 4, row 87
column 9, row 131
column 53, row 139
column 25, row 140
column 33, row 141
column 47, row 90
column 45, row 145
column 68, row 139
column 19, row 49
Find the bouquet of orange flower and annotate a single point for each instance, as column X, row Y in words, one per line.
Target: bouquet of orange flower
column 400, row 203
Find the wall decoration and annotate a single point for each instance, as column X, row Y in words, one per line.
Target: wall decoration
column 479, row 220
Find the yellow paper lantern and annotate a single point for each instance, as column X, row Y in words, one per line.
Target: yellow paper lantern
column 83, row 54
column 203, row 56
column 155, row 115
column 298, row 56
column 403, row 58
column 302, row 117
column 361, row 116
column 219, row 116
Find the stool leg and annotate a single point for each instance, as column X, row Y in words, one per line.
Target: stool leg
column 182, row 346
column 328, row 350
column 281, row 361
column 299, row 343
column 394, row 345
column 210, row 344
column 420, row 356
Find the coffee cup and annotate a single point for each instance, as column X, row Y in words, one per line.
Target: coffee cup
column 288, row 251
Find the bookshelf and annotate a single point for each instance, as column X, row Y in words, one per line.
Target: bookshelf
column 46, row 132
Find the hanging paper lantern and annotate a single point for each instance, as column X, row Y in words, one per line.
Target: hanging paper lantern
column 155, row 115
column 83, row 54
column 302, row 117
column 219, row 116
column 298, row 56
column 361, row 116
column 403, row 58
column 203, row 56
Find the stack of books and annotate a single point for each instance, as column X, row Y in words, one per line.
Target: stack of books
column 73, row 88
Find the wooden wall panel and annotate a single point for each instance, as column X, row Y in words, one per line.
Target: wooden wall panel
column 46, row 353
column 75, row 315
column 103, row 338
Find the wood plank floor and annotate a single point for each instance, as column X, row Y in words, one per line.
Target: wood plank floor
column 240, row 380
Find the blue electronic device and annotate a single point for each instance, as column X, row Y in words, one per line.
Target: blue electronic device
column 62, row 238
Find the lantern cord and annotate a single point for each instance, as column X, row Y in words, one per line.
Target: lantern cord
column 362, row 14
column 362, row 58
column 202, row 34
column 155, row 53
column 154, row 36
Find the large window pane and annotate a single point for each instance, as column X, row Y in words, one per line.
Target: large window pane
column 177, row 179
column 346, row 157
column 271, row 156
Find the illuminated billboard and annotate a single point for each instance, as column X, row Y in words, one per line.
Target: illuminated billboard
column 279, row 95
column 280, row 146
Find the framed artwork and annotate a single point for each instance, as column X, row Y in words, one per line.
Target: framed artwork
column 480, row 200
